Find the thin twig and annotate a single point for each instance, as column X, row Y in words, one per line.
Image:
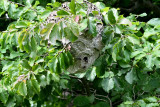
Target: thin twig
column 105, row 97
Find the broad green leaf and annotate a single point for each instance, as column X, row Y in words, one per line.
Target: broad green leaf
column 143, row 15
column 139, row 57
column 55, row 35
column 47, row 31
column 81, row 101
column 33, row 47
column 12, row 9
column 69, row 55
column 35, row 85
column 30, row 15
column 124, row 64
column 134, row 39
column 83, row 25
column 43, row 81
column 107, row 84
column 100, row 5
column 125, row 21
column 149, row 61
column 62, row 12
column 30, row 91
column 22, row 89
column 4, row 4
column 92, row 26
column 3, row 95
column 91, row 74
column 118, row 29
column 151, row 99
column 21, row 24
column 131, row 76
column 153, row 105
column 62, row 62
column 149, row 32
column 70, row 35
column 154, row 22
column 72, row 6
column 112, row 16
column 25, row 64
column 135, row 53
column 66, row 60
column 53, row 64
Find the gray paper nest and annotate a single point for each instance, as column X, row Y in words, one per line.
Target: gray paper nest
column 85, row 49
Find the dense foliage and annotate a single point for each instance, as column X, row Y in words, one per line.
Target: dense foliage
column 34, row 62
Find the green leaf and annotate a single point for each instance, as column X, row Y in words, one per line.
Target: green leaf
column 149, row 61
column 131, row 76
column 139, row 57
column 125, row 21
column 53, row 64
column 4, row 40
column 112, row 16
column 66, row 60
column 143, row 15
column 55, row 35
column 124, row 64
column 25, row 64
column 154, row 22
column 4, row 5
column 107, row 84
column 70, row 35
column 135, row 53
column 91, row 74
column 33, row 48
column 134, row 39
column 22, row 89
column 72, row 6
column 151, row 99
column 26, row 42
column 43, row 81
column 3, row 95
column 152, row 105
column 30, row 91
column 62, row 12
column 20, row 39
column 35, row 85
column 81, row 101
column 47, row 31
column 92, row 26
column 21, row 24
column 100, row 5
column 70, row 58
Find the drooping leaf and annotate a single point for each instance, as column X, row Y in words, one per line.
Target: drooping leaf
column 35, row 85
column 22, row 89
column 92, row 26
column 55, row 35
